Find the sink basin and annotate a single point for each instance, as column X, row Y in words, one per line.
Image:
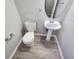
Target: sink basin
column 53, row 25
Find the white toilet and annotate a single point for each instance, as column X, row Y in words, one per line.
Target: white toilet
column 28, row 38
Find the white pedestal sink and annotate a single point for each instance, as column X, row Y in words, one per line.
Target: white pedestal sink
column 51, row 25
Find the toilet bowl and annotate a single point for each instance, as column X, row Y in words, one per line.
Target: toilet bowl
column 28, row 39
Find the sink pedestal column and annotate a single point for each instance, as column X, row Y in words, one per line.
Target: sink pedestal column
column 49, row 33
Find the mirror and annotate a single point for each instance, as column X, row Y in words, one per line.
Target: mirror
column 50, row 6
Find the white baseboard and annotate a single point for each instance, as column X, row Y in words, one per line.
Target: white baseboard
column 15, row 50
column 39, row 35
column 62, row 57
column 60, row 51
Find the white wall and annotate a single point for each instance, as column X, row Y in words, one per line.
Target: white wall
column 34, row 10
column 62, row 9
column 66, row 35
column 12, row 25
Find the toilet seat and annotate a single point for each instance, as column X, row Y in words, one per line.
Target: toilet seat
column 28, row 38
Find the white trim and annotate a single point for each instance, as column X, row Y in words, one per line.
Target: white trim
column 39, row 35
column 62, row 57
column 13, row 53
column 56, row 42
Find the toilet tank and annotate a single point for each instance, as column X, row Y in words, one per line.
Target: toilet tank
column 31, row 26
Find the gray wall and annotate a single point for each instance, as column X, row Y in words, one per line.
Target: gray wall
column 66, row 35
column 12, row 25
column 33, row 10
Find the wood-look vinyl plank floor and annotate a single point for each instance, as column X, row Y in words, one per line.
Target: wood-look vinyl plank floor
column 41, row 50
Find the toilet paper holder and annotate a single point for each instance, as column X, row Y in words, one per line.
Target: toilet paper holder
column 10, row 37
